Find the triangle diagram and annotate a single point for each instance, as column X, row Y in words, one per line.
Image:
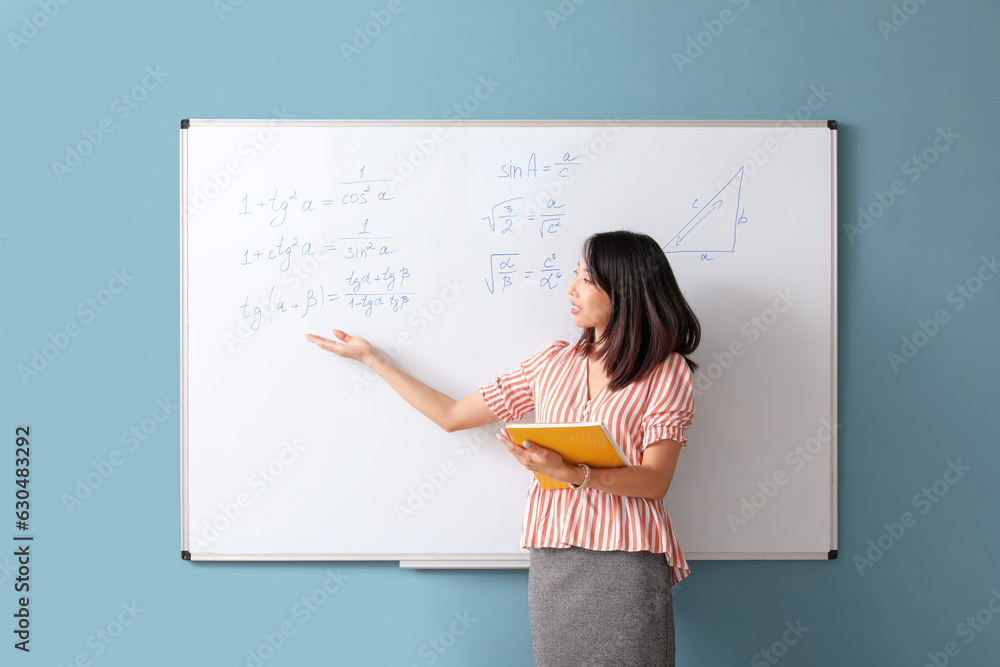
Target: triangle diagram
column 713, row 227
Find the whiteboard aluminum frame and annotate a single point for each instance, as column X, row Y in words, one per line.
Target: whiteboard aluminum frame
column 496, row 561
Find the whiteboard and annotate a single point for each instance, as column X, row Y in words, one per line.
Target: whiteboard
column 450, row 247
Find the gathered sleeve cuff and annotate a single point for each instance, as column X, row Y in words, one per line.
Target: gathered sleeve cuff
column 510, row 397
column 670, row 409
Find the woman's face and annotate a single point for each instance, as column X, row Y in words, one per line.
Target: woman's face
column 589, row 304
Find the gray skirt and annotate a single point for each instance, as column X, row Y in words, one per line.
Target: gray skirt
column 600, row 608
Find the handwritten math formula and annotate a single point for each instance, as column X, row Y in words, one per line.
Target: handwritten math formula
column 537, row 212
column 358, row 228
column 366, row 258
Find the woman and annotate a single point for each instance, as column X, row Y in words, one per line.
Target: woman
column 603, row 554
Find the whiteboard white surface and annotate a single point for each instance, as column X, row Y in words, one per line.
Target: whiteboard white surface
column 450, row 247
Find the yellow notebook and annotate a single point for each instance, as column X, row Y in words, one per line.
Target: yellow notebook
column 578, row 442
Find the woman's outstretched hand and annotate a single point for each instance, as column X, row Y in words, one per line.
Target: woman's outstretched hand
column 349, row 347
column 446, row 412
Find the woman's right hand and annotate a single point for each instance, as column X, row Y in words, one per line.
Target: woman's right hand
column 443, row 410
column 349, row 347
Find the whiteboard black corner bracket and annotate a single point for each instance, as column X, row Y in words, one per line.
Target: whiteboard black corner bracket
column 185, row 123
column 832, row 555
column 185, row 555
column 832, row 124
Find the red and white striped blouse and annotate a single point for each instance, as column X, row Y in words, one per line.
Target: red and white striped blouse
column 657, row 407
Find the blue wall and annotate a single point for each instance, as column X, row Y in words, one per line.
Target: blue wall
column 915, row 78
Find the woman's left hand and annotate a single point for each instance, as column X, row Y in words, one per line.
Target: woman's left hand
column 535, row 457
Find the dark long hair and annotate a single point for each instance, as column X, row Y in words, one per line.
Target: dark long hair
column 650, row 319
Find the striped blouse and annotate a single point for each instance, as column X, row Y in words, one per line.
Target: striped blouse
column 657, row 407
